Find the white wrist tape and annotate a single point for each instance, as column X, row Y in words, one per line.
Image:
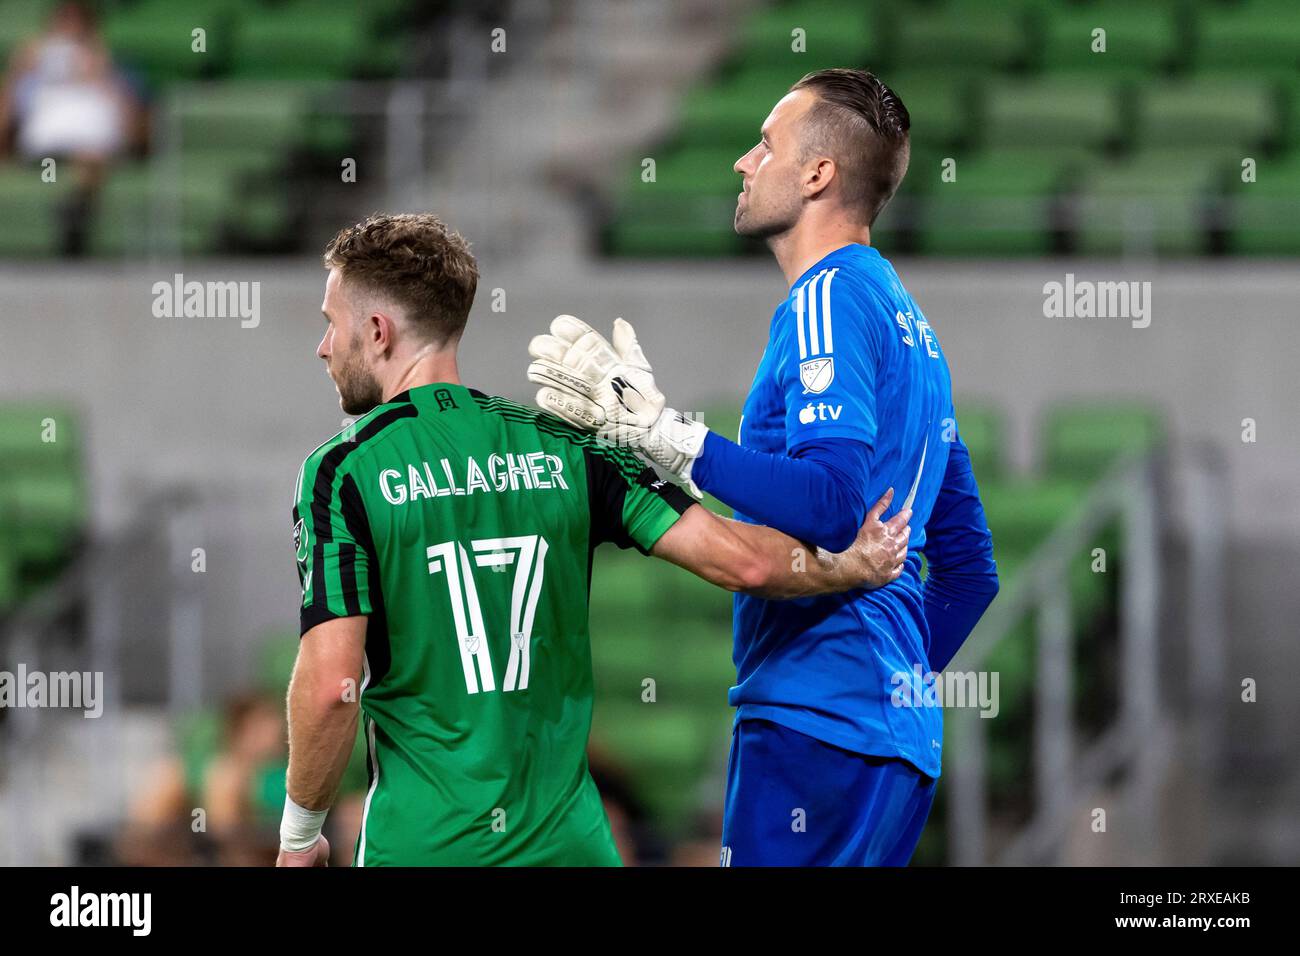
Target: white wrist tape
column 299, row 827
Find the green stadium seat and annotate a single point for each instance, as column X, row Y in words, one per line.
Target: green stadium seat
column 302, row 40
column 1264, row 216
column 1247, row 36
column 1023, row 513
column 982, row 430
column 1065, row 111
column 674, row 227
column 43, row 506
column 1000, row 203
column 10, row 587
column 199, row 199
column 1198, row 113
column 1155, row 201
column 941, row 104
column 39, row 434
column 1289, row 97
column 330, row 136
column 1083, row 441
column 955, row 33
column 1141, row 39
column 26, row 199
column 252, row 115
column 155, row 39
column 835, row 34
column 728, row 115
column 50, row 512
column 694, row 171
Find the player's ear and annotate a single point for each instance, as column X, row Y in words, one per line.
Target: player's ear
column 379, row 329
column 818, row 174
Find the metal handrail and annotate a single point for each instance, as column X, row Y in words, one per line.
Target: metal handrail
column 1126, row 491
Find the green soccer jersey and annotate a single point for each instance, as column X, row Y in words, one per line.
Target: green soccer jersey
column 463, row 526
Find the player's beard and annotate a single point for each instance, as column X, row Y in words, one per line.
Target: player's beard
column 359, row 390
column 763, row 220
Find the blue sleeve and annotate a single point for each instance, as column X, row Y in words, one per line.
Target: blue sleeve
column 816, row 496
column 962, row 578
column 827, row 370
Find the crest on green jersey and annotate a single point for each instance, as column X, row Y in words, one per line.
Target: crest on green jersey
column 300, row 545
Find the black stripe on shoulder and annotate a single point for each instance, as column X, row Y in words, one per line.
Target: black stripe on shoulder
column 322, row 489
column 624, row 459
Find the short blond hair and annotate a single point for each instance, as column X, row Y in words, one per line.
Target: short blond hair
column 415, row 260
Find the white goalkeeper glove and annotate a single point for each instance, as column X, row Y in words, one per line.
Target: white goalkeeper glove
column 609, row 389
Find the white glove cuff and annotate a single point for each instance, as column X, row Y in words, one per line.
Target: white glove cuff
column 690, row 482
column 675, row 441
column 299, row 827
column 684, row 435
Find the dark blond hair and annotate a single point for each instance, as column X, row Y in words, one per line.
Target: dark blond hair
column 413, row 260
column 862, row 124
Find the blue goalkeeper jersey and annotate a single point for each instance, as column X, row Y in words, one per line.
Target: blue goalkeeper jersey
column 850, row 355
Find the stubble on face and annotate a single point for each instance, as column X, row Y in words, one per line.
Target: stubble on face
column 359, row 390
column 775, row 212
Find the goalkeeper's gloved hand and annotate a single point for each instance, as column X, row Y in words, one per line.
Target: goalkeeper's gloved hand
column 609, row 389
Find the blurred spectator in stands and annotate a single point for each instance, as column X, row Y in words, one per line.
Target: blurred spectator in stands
column 238, row 785
column 243, row 789
column 64, row 98
column 159, row 829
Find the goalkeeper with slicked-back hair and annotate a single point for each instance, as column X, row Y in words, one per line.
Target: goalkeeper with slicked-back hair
column 836, row 745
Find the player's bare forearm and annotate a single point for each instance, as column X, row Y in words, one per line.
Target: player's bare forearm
column 770, row 564
column 793, row 568
column 796, row 569
column 323, row 709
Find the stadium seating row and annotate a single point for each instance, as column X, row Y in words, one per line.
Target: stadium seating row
column 1052, row 147
column 253, row 121
column 248, row 39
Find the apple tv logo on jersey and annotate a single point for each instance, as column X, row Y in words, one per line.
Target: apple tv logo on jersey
column 819, row 413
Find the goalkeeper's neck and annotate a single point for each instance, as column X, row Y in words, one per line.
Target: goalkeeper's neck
column 428, row 365
column 818, row 233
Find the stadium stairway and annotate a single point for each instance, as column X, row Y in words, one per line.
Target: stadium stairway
column 575, row 95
